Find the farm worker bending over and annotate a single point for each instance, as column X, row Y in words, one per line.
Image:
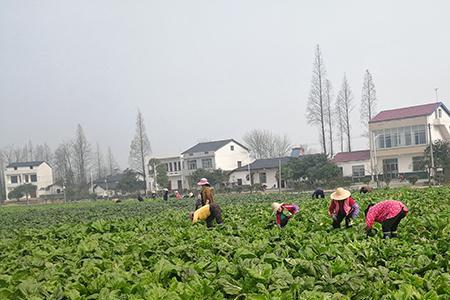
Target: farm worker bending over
column 318, row 193
column 342, row 206
column 389, row 213
column 284, row 212
column 207, row 193
column 208, row 213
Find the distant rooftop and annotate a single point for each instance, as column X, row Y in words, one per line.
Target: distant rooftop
column 407, row 112
column 268, row 163
column 211, row 146
column 351, row 156
column 25, row 164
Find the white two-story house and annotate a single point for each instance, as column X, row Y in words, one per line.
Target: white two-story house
column 226, row 155
column 400, row 137
column 38, row 173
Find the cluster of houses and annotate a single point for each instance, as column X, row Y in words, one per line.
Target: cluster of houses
column 397, row 141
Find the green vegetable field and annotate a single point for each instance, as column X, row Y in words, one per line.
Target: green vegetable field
column 132, row 250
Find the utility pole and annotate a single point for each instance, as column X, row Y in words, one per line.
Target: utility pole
column 436, row 89
column 279, row 175
column 155, row 183
column 107, row 193
column 64, row 189
column 432, row 169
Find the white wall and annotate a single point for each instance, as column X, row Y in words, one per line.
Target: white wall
column 226, row 159
column 271, row 180
column 347, row 169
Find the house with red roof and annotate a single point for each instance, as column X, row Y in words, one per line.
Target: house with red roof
column 355, row 164
column 400, row 136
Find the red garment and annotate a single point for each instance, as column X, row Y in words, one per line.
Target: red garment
column 384, row 210
column 333, row 210
column 292, row 208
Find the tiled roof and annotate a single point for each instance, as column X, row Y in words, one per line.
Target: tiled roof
column 408, row 112
column 25, row 164
column 210, row 146
column 351, row 156
column 269, row 163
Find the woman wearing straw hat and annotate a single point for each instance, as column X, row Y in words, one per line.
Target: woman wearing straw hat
column 342, row 206
column 284, row 212
column 207, row 193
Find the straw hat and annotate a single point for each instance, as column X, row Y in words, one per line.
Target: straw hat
column 276, row 206
column 203, row 181
column 340, row 194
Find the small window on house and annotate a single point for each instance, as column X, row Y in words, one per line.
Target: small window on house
column 15, row 168
column 207, row 163
column 262, row 178
column 58, row 191
column 440, row 113
column 232, row 148
column 27, row 178
column 31, row 167
column 170, row 167
column 206, row 152
column 418, row 164
column 239, row 181
column 192, row 165
column 33, row 178
column 13, row 179
column 239, row 163
column 179, row 166
column 358, row 171
column 191, row 154
column 175, row 166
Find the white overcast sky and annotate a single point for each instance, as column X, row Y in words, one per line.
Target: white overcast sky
column 203, row 70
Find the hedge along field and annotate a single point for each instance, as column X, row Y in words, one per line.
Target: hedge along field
column 132, row 250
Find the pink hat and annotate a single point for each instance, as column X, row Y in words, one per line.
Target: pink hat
column 203, row 181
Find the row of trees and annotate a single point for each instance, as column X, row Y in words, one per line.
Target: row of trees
column 327, row 114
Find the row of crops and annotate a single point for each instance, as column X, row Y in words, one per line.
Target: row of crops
column 149, row 250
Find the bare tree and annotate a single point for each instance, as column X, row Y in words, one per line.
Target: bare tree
column 82, row 155
column 43, row 152
column 315, row 111
column 339, row 121
column 99, row 163
column 139, row 148
column 345, row 100
column 265, row 144
column 368, row 101
column 63, row 164
column 328, row 113
column 112, row 165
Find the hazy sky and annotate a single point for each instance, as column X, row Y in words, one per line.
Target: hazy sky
column 202, row 70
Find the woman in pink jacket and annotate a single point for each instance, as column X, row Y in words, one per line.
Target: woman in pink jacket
column 389, row 213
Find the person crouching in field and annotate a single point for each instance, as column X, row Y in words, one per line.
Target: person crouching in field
column 342, row 206
column 318, row 193
column 284, row 212
column 365, row 190
column 208, row 213
column 389, row 213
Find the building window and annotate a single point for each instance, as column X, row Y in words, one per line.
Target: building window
column 418, row 164
column 400, row 137
column 191, row 154
column 390, row 168
column 262, row 178
column 170, row 167
column 27, row 178
column 175, row 166
column 232, row 148
column 58, row 191
column 192, row 165
column 207, row 163
column 341, row 171
column 239, row 181
column 358, row 171
column 440, row 113
column 13, row 179
column 31, row 167
column 239, row 163
column 33, row 178
column 15, row 168
column 179, row 166
column 206, row 152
